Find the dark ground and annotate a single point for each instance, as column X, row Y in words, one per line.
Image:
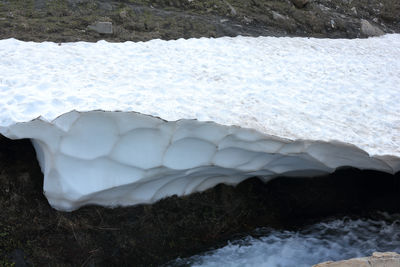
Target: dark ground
column 141, row 20
column 33, row 233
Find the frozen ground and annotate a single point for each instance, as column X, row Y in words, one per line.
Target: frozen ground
column 275, row 89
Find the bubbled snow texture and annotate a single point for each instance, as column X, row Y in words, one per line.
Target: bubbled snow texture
column 295, row 88
column 126, row 158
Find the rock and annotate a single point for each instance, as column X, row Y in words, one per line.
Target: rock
column 102, row 27
column 278, row 17
column 378, row 259
column 368, row 29
column 299, row 3
column 105, row 6
column 39, row 4
column 303, row 18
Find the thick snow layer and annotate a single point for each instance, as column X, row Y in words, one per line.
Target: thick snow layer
column 297, row 88
column 126, row 158
column 249, row 89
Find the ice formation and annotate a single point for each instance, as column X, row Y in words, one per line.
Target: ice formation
column 211, row 111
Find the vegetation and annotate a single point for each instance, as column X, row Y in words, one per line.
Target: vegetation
column 141, row 20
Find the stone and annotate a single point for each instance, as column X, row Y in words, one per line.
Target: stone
column 378, row 259
column 102, row 27
column 278, row 17
column 370, row 30
column 39, row 4
column 105, row 6
column 300, row 3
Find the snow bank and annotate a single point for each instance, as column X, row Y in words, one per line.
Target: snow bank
column 243, row 93
column 126, row 158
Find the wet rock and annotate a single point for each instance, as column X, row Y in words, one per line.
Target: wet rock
column 102, row 27
column 370, row 30
column 378, row 259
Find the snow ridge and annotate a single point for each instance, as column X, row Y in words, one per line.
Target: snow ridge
column 127, row 158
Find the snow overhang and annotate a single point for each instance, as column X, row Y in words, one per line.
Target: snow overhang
column 209, row 111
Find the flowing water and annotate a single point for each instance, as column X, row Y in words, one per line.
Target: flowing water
column 330, row 240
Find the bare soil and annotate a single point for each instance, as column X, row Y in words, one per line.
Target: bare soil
column 142, row 20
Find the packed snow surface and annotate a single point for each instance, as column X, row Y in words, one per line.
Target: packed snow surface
column 297, row 88
column 263, row 107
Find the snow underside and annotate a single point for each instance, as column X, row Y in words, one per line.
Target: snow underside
column 127, row 158
column 210, row 111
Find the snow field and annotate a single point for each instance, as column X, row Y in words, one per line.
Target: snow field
column 296, row 88
column 160, row 118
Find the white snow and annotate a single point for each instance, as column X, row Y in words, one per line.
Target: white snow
column 263, row 106
column 90, row 159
